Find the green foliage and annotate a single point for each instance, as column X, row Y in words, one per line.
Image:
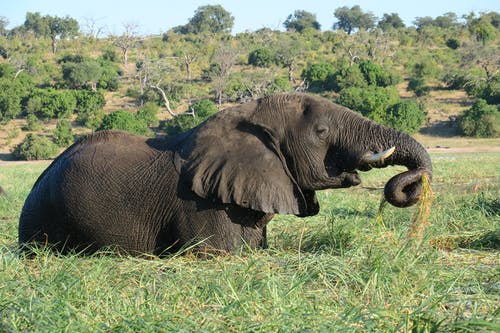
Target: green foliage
column 209, row 18
column 51, row 26
column 453, row 43
column 406, row 116
column 481, row 120
column 35, row 147
column 79, row 75
column 371, row 101
column 489, row 90
column 201, row 111
column 148, row 114
column 351, row 19
column 10, row 99
column 350, row 76
column 63, row 134
column 418, row 86
column 79, row 72
column 124, row 121
column 300, row 21
column 318, row 75
column 51, row 103
column 89, row 106
column 390, row 21
column 261, row 57
column 33, row 123
column 377, row 75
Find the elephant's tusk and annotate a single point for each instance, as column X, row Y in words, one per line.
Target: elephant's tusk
column 378, row 157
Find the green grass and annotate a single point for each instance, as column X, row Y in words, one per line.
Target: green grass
column 340, row 271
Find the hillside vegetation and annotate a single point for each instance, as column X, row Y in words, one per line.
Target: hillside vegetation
column 439, row 77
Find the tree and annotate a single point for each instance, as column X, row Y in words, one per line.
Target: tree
column 4, row 22
column 126, row 40
column 390, row 21
column 445, row 21
column 288, row 52
column 56, row 28
column 80, row 74
column 485, row 27
column 223, row 60
column 210, row 18
column 301, row 20
column 151, row 73
column 350, row 19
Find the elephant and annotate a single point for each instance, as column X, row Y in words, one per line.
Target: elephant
column 2, row 192
column 215, row 187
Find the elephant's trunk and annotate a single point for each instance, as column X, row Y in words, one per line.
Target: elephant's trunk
column 404, row 189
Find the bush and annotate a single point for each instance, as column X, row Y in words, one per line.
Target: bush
column 262, row 57
column 51, row 103
column 33, row 123
column 202, row 110
column 481, row 120
column 405, row 116
column 10, row 99
column 63, row 135
column 89, row 106
column 377, row 75
column 149, row 114
column 418, row 86
column 346, row 78
column 318, row 76
column 81, row 74
column 371, row 102
column 452, row 43
column 124, row 121
column 35, row 147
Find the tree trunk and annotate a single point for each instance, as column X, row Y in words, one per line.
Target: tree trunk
column 165, row 99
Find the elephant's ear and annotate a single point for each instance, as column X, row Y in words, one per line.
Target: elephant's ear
column 230, row 160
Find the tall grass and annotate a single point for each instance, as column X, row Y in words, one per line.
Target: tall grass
column 339, row 271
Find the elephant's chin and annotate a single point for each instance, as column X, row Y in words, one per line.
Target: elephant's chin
column 403, row 190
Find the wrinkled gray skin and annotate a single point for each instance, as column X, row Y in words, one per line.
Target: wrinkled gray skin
column 218, row 184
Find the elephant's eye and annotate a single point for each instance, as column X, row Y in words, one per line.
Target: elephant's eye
column 322, row 131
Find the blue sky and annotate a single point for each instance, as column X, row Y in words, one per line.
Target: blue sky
column 157, row 16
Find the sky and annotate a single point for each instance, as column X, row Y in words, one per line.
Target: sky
column 158, row 16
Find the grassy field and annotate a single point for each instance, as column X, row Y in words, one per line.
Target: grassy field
column 341, row 271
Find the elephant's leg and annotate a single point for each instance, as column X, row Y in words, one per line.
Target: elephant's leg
column 41, row 225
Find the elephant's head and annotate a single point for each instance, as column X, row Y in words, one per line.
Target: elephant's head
column 271, row 154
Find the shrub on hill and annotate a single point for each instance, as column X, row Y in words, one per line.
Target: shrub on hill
column 124, row 121
column 372, row 101
column 481, row 120
column 406, row 116
column 51, row 103
column 89, row 106
column 35, row 147
column 63, row 135
column 261, row 57
column 202, row 110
